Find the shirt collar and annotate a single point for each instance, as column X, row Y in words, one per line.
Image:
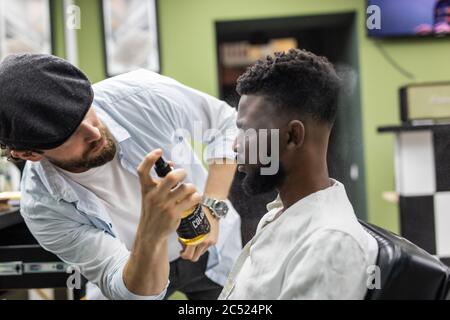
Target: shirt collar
column 275, row 206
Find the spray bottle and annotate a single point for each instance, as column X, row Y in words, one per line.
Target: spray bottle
column 194, row 226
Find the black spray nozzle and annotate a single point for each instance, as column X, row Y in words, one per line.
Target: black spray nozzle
column 162, row 168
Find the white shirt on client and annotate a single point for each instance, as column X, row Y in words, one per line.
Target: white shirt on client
column 316, row 249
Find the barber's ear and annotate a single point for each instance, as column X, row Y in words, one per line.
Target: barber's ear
column 296, row 134
column 27, row 155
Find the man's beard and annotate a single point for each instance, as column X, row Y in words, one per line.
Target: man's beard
column 87, row 162
column 255, row 183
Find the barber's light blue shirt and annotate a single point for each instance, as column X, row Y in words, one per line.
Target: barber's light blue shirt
column 144, row 111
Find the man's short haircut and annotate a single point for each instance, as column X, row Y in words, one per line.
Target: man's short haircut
column 297, row 81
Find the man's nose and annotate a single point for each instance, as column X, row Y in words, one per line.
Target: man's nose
column 91, row 133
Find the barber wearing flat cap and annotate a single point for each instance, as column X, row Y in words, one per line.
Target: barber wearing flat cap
column 88, row 189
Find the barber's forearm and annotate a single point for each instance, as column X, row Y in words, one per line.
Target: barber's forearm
column 147, row 270
column 220, row 178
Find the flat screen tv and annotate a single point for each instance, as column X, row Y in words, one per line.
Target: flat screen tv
column 410, row 18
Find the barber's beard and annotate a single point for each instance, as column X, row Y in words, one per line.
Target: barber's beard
column 255, row 183
column 89, row 161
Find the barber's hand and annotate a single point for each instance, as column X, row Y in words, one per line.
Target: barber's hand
column 162, row 207
column 193, row 253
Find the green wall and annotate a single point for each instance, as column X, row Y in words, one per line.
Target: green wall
column 188, row 54
column 90, row 39
column 58, row 28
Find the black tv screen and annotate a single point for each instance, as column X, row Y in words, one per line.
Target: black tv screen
column 407, row 18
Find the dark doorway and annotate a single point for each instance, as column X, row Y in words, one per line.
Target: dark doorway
column 333, row 36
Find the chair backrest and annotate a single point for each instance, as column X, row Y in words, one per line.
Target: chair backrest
column 406, row 271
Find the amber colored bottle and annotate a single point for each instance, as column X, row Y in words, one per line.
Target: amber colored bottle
column 194, row 226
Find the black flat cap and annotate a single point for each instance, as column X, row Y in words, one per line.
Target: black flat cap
column 43, row 100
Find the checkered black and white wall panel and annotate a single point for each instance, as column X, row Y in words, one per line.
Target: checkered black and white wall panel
column 422, row 162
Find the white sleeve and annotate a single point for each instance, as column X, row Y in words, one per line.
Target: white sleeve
column 331, row 267
column 206, row 118
column 99, row 256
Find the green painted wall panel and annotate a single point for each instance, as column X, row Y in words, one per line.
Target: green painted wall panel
column 57, row 28
column 90, row 40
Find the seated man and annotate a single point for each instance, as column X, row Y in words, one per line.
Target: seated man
column 310, row 244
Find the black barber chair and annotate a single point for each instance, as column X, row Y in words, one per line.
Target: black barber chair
column 407, row 272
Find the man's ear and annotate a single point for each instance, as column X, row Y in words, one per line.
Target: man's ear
column 296, row 134
column 27, row 155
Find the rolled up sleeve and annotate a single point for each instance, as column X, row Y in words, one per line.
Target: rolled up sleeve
column 220, row 146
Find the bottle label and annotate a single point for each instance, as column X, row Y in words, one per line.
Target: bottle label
column 194, row 225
